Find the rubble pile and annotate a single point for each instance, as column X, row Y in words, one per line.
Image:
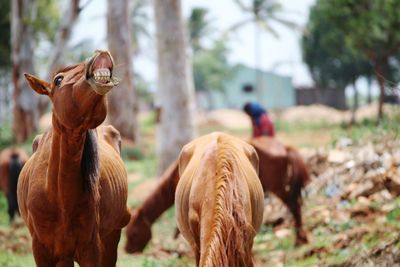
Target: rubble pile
column 349, row 172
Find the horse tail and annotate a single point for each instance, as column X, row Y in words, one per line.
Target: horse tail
column 15, row 167
column 230, row 231
column 297, row 171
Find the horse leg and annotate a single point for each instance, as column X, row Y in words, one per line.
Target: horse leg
column 109, row 254
column 41, row 254
column 88, row 254
column 294, row 205
column 65, row 263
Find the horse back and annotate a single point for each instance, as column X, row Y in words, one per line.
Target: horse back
column 273, row 158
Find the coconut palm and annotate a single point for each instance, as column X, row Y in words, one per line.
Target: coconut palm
column 263, row 14
column 139, row 20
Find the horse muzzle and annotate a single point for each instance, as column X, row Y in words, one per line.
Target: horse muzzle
column 99, row 70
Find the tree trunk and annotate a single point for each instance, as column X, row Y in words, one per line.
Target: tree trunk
column 175, row 89
column 122, row 101
column 369, row 93
column 380, row 71
column 26, row 111
column 63, row 35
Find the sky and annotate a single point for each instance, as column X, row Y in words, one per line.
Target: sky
column 281, row 55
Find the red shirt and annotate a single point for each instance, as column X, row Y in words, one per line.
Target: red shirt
column 265, row 127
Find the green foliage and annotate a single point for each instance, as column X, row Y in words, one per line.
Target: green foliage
column 331, row 62
column 47, row 22
column 210, row 65
column 132, row 154
column 394, row 215
column 3, row 210
column 264, row 13
column 5, row 134
column 368, row 130
column 211, row 68
column 142, row 89
column 199, row 27
column 139, row 22
column 369, row 26
column 5, row 36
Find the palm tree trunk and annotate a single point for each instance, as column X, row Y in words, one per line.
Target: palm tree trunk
column 60, row 46
column 258, row 59
column 175, row 91
column 122, row 101
column 26, row 109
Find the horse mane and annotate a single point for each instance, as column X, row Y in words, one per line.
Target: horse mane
column 230, row 231
column 90, row 162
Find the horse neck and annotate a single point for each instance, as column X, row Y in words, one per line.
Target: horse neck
column 163, row 196
column 231, row 236
column 64, row 177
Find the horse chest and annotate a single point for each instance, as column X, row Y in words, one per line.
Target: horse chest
column 56, row 227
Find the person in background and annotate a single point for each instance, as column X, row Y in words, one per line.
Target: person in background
column 262, row 125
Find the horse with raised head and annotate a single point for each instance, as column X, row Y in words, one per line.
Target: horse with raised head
column 219, row 200
column 73, row 190
column 282, row 172
column 12, row 160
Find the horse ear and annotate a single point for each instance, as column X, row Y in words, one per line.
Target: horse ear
column 41, row 87
column 184, row 157
column 252, row 156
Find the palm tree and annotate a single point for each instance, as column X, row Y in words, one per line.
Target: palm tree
column 139, row 20
column 199, row 27
column 123, row 106
column 175, row 93
column 262, row 13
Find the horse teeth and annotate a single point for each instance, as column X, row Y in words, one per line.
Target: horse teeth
column 102, row 75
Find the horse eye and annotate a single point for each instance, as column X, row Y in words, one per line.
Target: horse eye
column 57, row 81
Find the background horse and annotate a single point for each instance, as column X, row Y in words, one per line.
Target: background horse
column 138, row 230
column 11, row 161
column 73, row 190
column 282, row 172
column 219, row 200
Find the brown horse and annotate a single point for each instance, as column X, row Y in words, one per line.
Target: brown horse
column 219, row 200
column 73, row 190
column 12, row 160
column 139, row 227
column 282, row 172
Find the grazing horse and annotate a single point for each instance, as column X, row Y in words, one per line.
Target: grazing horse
column 138, row 230
column 219, row 200
column 11, row 161
column 282, row 172
column 73, row 190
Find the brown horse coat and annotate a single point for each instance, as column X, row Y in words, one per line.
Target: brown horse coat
column 12, row 160
column 281, row 168
column 219, row 200
column 283, row 173
column 73, row 190
column 138, row 230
